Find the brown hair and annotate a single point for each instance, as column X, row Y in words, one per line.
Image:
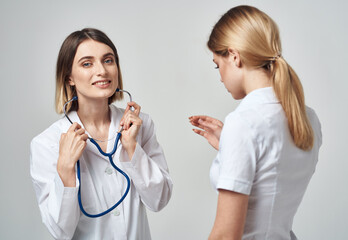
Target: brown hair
column 64, row 91
column 256, row 37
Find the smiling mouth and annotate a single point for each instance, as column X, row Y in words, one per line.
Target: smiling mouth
column 101, row 83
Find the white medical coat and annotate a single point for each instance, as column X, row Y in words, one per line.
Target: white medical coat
column 258, row 157
column 102, row 186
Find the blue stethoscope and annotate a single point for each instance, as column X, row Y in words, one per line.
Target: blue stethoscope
column 109, row 155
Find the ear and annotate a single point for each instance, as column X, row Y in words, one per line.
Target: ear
column 234, row 57
column 71, row 81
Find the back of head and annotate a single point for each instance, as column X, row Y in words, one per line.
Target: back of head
column 256, row 37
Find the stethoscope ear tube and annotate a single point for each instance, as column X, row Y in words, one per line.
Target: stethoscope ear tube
column 121, row 90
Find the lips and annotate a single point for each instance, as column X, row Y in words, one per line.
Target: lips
column 101, row 82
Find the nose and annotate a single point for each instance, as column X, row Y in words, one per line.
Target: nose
column 100, row 70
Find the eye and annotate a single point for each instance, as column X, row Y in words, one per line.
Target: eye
column 109, row 60
column 86, row 64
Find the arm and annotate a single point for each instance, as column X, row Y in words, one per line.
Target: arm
column 57, row 203
column 230, row 216
column 235, row 176
column 147, row 167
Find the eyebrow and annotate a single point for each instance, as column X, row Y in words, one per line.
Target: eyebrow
column 91, row 57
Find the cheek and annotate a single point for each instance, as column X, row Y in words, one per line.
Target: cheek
column 225, row 74
column 79, row 74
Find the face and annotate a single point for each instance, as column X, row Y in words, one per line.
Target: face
column 94, row 72
column 231, row 74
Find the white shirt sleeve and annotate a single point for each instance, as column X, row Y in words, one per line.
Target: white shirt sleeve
column 237, row 156
column 58, row 204
column 148, row 169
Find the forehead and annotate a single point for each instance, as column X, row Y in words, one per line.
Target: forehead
column 92, row 48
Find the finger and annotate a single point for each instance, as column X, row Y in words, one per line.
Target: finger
column 62, row 137
column 199, row 132
column 125, row 118
column 131, row 120
column 196, row 124
column 217, row 122
column 199, row 117
column 73, row 127
column 207, row 119
column 84, row 137
column 127, row 123
column 124, row 115
column 135, row 106
column 202, row 126
column 80, row 131
column 202, row 133
column 135, row 119
column 194, row 121
column 207, row 124
column 196, row 117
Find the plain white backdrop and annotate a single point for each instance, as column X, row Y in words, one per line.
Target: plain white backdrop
column 169, row 71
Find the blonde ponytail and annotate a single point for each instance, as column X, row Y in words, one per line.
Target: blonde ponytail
column 256, row 37
column 289, row 91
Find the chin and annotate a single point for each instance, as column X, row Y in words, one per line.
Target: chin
column 238, row 96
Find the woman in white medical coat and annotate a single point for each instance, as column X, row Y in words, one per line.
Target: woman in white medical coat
column 88, row 67
column 268, row 147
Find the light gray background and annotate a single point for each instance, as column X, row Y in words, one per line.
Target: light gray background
column 169, row 71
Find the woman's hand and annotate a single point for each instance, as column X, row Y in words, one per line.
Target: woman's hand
column 131, row 124
column 211, row 128
column 71, row 146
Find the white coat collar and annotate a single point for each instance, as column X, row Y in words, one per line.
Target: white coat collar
column 115, row 115
column 259, row 96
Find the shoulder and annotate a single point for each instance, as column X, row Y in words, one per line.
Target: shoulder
column 315, row 123
column 246, row 119
column 50, row 136
column 312, row 116
column 238, row 127
column 256, row 124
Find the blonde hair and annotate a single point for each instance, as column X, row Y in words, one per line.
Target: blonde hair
column 256, row 37
column 65, row 92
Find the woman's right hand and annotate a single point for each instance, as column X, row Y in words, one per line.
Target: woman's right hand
column 211, row 128
column 71, row 145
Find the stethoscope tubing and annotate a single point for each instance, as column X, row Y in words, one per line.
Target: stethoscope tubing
column 109, row 155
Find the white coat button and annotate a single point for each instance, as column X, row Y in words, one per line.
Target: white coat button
column 116, row 212
column 109, row 170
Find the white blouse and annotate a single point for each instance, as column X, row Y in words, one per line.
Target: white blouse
column 258, row 157
column 101, row 185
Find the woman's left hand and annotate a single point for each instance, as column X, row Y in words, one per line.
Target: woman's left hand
column 131, row 124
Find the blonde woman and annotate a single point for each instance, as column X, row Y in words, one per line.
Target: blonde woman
column 88, row 68
column 268, row 147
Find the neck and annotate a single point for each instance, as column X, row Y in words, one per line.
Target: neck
column 93, row 113
column 255, row 79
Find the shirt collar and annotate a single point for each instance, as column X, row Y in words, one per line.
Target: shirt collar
column 259, row 96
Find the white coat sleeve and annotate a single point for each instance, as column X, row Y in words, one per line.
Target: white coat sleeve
column 148, row 169
column 58, row 204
